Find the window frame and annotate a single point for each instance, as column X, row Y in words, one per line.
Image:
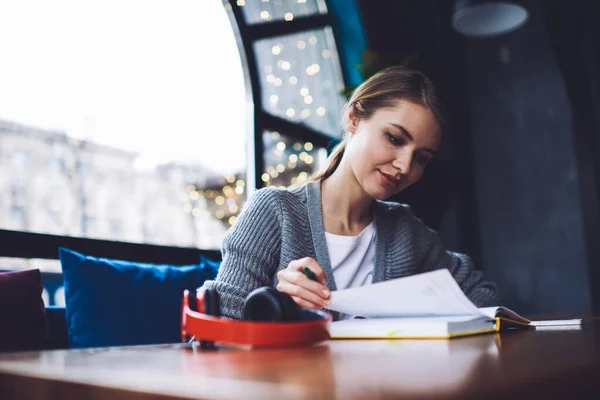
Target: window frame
column 247, row 35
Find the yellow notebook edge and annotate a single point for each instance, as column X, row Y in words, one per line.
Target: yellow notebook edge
column 396, row 337
column 501, row 324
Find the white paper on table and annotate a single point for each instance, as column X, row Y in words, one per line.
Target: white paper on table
column 431, row 293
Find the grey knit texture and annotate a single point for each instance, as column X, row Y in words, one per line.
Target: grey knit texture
column 278, row 226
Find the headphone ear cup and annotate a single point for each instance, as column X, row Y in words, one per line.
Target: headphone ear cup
column 267, row 304
column 212, row 302
column 288, row 305
column 192, row 300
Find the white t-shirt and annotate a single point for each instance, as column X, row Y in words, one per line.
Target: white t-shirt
column 352, row 258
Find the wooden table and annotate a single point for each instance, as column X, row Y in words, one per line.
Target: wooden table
column 526, row 364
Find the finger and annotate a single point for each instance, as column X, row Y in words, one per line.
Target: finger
column 296, row 290
column 299, row 279
column 306, row 304
column 311, row 264
column 304, row 294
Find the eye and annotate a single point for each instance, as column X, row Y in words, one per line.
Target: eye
column 422, row 159
column 394, row 140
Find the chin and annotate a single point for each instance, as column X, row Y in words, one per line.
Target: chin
column 379, row 193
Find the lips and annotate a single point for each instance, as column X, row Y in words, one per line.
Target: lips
column 388, row 180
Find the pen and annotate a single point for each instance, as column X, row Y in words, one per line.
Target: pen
column 309, row 274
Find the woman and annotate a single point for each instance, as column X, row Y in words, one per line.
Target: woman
column 339, row 225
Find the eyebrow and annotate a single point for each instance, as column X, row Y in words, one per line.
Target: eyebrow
column 406, row 133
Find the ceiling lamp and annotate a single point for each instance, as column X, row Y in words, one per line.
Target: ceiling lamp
column 484, row 18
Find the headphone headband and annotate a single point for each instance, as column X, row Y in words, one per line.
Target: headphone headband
column 251, row 333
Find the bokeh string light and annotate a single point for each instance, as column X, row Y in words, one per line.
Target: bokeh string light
column 289, row 161
column 263, row 11
column 300, row 78
column 223, row 198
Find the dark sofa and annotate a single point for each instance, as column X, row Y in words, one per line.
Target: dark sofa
column 58, row 337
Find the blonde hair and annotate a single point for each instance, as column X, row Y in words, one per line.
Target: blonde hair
column 383, row 90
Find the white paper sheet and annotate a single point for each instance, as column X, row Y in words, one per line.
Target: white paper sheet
column 557, row 322
column 432, row 293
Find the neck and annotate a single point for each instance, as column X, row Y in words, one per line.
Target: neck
column 347, row 209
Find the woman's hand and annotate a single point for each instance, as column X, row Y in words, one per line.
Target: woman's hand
column 305, row 292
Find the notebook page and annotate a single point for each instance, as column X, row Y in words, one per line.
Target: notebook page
column 503, row 312
column 433, row 293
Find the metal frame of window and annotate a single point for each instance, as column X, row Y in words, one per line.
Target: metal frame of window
column 18, row 244
column 29, row 245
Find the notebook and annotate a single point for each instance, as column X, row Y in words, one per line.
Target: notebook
column 428, row 305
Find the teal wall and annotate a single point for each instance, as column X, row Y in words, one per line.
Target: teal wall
column 350, row 37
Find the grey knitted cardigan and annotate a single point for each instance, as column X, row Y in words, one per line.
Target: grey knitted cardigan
column 281, row 225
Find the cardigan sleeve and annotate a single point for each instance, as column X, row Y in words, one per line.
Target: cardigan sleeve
column 250, row 252
column 431, row 255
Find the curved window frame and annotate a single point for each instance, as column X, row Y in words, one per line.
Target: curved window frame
column 259, row 120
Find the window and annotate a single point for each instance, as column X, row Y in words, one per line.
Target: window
column 132, row 132
column 115, row 226
column 301, row 79
column 55, row 165
column 290, row 161
column 261, row 11
column 18, row 191
column 297, row 80
column 17, row 217
column 20, row 159
column 129, row 104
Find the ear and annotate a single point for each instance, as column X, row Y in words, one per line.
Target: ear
column 353, row 120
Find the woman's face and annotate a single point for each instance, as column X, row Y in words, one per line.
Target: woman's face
column 389, row 151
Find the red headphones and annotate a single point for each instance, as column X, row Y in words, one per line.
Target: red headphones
column 270, row 318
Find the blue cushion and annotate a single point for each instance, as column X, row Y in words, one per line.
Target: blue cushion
column 114, row 302
column 212, row 264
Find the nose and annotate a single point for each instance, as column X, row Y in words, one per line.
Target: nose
column 403, row 161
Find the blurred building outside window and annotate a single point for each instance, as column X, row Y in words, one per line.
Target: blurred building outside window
column 121, row 120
